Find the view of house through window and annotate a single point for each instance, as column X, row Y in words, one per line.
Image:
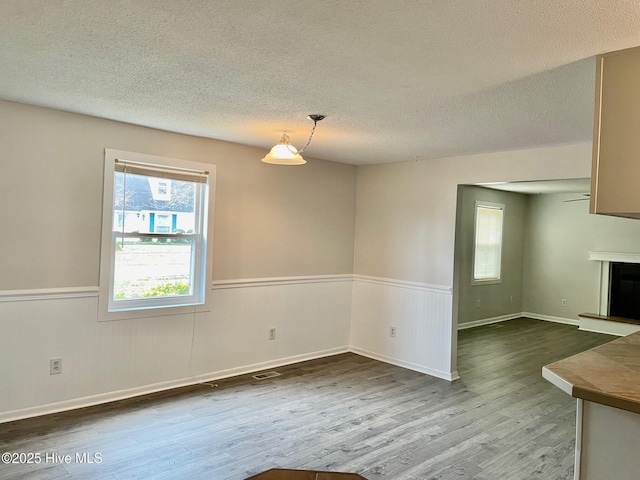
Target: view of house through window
column 159, row 221
column 487, row 254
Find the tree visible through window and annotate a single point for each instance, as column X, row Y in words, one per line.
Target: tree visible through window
column 487, row 258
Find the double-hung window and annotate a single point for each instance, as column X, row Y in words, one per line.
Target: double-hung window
column 155, row 247
column 487, row 252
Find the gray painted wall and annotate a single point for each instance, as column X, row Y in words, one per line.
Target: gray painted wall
column 495, row 299
column 546, row 246
column 559, row 236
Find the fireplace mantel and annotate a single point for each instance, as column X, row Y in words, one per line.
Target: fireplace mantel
column 615, row 257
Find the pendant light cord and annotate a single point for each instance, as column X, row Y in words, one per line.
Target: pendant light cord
column 315, row 118
column 315, row 123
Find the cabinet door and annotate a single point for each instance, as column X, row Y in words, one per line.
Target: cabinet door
column 615, row 178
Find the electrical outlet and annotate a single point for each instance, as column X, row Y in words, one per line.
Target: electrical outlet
column 272, row 333
column 564, row 302
column 478, row 304
column 392, row 331
column 55, row 366
column 511, row 298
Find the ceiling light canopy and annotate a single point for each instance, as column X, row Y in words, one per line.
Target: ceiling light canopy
column 283, row 153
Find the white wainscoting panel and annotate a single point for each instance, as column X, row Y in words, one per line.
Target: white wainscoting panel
column 106, row 361
column 98, row 358
column 421, row 315
column 313, row 317
column 311, row 320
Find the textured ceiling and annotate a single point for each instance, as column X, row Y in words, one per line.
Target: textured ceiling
column 397, row 80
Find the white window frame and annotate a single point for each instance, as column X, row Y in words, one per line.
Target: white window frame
column 484, row 280
column 203, row 261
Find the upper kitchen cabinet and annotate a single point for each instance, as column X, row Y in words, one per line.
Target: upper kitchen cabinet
column 615, row 176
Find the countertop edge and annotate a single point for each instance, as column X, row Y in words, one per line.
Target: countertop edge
column 608, row 374
column 606, row 399
column 557, row 380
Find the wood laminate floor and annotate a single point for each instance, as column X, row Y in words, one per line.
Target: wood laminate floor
column 344, row 413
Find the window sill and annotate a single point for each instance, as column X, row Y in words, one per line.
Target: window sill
column 475, row 283
column 153, row 312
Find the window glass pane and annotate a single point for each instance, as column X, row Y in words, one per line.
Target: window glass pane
column 152, row 267
column 153, row 205
column 155, row 252
column 488, row 243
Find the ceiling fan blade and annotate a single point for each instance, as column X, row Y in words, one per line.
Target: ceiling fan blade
column 585, row 196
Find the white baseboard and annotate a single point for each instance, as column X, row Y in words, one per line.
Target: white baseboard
column 513, row 316
column 451, row 376
column 162, row 386
column 489, row 321
column 108, row 397
column 549, row 318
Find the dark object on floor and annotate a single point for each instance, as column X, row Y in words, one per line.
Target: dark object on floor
column 283, row 474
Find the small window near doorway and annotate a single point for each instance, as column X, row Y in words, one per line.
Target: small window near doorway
column 487, row 250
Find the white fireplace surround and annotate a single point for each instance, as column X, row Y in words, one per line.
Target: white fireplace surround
column 605, row 259
column 603, row 326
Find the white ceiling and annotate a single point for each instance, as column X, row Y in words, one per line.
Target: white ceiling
column 397, row 80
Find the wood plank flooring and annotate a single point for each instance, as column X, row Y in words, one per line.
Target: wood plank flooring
column 346, row 413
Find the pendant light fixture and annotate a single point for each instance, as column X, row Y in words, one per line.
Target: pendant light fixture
column 283, row 153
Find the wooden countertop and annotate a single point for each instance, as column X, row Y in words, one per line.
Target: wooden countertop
column 608, row 374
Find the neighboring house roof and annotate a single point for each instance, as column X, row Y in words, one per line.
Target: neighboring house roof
column 137, row 191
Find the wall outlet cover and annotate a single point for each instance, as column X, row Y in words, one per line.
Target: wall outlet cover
column 55, row 366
